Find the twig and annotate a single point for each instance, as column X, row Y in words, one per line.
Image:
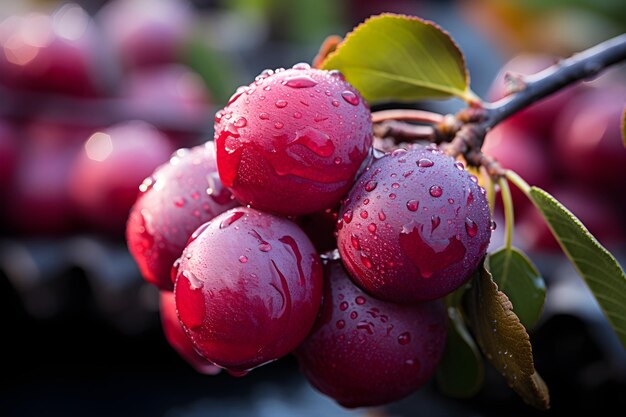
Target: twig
column 407, row 114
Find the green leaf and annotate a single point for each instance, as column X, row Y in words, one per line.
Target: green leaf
column 503, row 339
column 624, row 126
column 598, row 268
column 519, row 279
column 461, row 372
column 396, row 57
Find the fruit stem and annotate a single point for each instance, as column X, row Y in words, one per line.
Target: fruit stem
column 518, row 181
column 509, row 218
column 582, row 66
column 407, row 114
column 400, row 131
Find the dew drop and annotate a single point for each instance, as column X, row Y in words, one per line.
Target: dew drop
column 412, row 205
column 338, row 160
column 451, row 201
column 315, row 140
column 366, row 201
column 360, row 300
column 340, row 324
column 335, row 103
column 301, row 66
column 264, row 116
column 371, row 185
column 300, row 81
column 395, row 185
column 243, row 259
column 347, row 216
column 343, row 306
column 235, row 96
column 240, row 122
column 297, row 115
column 404, row 338
column 279, row 125
column 470, row 198
column 492, row 225
column 367, row 262
column 355, row 242
column 425, row 163
column 363, row 214
column 319, row 118
column 435, row 191
column 354, row 315
column 471, row 227
column 281, row 104
column 434, row 222
column 180, row 201
column 372, row 227
column 231, row 218
column 381, row 216
column 392, row 196
column 350, row 97
column 459, row 165
column 366, row 325
column 474, row 179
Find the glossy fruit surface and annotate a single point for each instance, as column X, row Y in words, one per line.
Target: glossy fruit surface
column 175, row 200
column 367, row 352
column 105, row 177
column 177, row 338
column 293, row 141
column 414, row 227
column 55, row 53
column 248, row 288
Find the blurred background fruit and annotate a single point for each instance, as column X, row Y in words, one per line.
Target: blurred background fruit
column 82, row 324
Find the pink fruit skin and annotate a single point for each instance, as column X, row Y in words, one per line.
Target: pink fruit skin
column 517, row 149
column 175, row 200
column 292, row 142
column 177, row 338
column 587, row 141
column 414, row 227
column 595, row 212
column 105, row 176
column 8, row 155
column 145, row 32
column 56, row 53
column 537, row 119
column 367, row 352
column 248, row 288
column 38, row 201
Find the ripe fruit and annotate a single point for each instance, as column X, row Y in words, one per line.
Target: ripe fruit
column 367, row 352
column 55, row 53
column 414, row 227
column 177, row 338
column 518, row 150
column 105, row 177
column 8, row 155
column 39, row 198
column 538, row 118
column 587, row 138
column 175, row 200
column 293, row 141
column 173, row 94
column 248, row 288
column 146, row 32
column 594, row 211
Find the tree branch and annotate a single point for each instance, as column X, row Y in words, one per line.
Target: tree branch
column 584, row 65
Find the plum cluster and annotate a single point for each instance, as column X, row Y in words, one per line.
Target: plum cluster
column 235, row 229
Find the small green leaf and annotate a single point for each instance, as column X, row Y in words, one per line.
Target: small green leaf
column 519, row 279
column 461, row 372
column 598, row 268
column 396, row 57
column 503, row 339
column 624, row 126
